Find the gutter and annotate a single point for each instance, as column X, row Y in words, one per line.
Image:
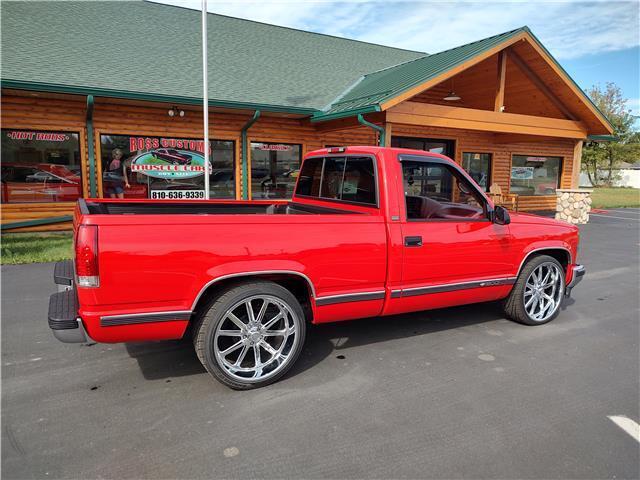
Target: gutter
column 324, row 117
column 92, row 156
column 151, row 97
column 245, row 146
column 380, row 130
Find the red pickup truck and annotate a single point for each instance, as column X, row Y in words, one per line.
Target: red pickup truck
column 369, row 232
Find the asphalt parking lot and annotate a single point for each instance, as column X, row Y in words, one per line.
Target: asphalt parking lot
column 455, row 393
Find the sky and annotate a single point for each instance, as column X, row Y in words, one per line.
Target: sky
column 596, row 41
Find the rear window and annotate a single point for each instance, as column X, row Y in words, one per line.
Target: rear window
column 346, row 179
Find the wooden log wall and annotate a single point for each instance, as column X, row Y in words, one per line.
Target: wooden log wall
column 21, row 110
column 501, row 153
column 61, row 113
column 152, row 120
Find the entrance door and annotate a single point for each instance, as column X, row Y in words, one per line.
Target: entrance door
column 452, row 252
column 444, row 147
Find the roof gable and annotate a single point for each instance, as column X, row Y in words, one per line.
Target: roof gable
column 383, row 89
column 374, row 88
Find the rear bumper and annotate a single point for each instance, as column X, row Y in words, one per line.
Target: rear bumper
column 577, row 274
column 63, row 318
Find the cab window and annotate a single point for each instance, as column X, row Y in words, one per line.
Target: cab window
column 345, row 179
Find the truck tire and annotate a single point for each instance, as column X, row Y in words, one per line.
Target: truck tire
column 538, row 292
column 250, row 334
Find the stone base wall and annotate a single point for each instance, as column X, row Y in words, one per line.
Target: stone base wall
column 573, row 205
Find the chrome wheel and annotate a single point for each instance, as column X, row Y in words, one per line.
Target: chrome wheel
column 543, row 291
column 256, row 337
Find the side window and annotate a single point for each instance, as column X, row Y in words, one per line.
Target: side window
column 436, row 191
column 310, row 176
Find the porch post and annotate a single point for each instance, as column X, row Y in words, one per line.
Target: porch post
column 577, row 164
column 90, row 148
column 245, row 154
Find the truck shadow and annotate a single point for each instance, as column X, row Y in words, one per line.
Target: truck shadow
column 335, row 338
column 176, row 358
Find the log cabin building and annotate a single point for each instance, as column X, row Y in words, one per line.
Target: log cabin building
column 87, row 83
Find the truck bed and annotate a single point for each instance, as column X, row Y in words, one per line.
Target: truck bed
column 199, row 207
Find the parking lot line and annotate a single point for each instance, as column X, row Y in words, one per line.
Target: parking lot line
column 626, row 424
column 626, row 210
column 613, row 216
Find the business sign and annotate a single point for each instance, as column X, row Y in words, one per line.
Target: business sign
column 177, row 194
column 151, row 143
column 39, row 136
column 274, row 147
column 521, row 173
column 169, row 163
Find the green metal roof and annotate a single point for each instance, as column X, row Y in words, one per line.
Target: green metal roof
column 153, row 51
column 149, row 51
column 374, row 88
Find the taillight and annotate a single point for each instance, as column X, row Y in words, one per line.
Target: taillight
column 87, row 256
column 337, row 149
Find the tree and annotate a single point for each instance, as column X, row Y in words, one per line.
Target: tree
column 599, row 157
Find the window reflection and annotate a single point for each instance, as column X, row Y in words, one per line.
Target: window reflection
column 165, row 167
column 274, row 169
column 40, row 166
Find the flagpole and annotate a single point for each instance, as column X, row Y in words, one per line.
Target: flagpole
column 205, row 99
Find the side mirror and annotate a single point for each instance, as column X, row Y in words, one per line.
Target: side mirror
column 501, row 216
column 464, row 188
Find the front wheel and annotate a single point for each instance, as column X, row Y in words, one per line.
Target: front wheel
column 538, row 292
column 250, row 335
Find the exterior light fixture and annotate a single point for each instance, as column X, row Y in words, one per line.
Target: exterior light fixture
column 452, row 96
column 173, row 112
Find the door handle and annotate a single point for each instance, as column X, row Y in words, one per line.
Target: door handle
column 412, row 241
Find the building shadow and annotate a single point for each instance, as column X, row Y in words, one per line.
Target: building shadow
column 177, row 358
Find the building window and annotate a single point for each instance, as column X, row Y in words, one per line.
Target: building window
column 434, row 145
column 478, row 166
column 40, row 166
column 535, row 175
column 274, row 169
column 165, row 168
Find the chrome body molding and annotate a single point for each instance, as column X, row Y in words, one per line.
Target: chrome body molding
column 350, row 297
column 150, row 317
column 452, row 287
column 252, row 274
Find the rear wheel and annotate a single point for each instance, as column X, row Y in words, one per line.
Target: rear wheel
column 538, row 292
column 250, row 335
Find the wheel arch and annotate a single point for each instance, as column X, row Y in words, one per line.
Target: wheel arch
column 560, row 253
column 297, row 283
